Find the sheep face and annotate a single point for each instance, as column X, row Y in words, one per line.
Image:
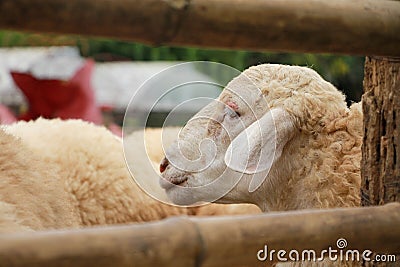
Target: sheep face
column 228, row 151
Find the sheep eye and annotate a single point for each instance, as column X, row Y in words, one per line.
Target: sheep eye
column 231, row 109
column 232, row 113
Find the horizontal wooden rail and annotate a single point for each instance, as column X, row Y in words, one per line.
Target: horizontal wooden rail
column 223, row 241
column 366, row 27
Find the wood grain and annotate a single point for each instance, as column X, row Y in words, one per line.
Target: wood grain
column 380, row 167
column 223, row 241
column 365, row 27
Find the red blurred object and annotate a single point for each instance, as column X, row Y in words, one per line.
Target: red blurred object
column 51, row 98
column 6, row 116
column 107, row 108
column 107, row 111
column 115, row 129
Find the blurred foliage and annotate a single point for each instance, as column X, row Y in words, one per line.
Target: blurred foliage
column 345, row 72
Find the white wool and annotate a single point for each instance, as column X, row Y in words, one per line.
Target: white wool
column 318, row 162
column 76, row 174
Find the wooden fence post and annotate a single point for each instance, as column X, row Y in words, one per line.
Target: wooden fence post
column 316, row 26
column 380, row 167
column 381, row 148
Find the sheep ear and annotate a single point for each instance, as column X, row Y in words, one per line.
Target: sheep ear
column 256, row 148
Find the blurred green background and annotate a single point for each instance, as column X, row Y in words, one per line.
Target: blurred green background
column 345, row 72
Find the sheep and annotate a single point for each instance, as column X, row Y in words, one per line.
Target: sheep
column 85, row 164
column 279, row 137
column 312, row 160
column 25, row 181
column 156, row 139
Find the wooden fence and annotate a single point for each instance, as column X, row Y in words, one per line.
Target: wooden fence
column 223, row 241
column 366, row 27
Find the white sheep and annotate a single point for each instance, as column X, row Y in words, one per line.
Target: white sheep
column 281, row 138
column 31, row 198
column 156, row 139
column 311, row 160
column 75, row 171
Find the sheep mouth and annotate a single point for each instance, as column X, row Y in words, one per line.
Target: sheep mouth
column 168, row 183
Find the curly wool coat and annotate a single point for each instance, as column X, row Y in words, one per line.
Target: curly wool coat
column 67, row 174
column 322, row 162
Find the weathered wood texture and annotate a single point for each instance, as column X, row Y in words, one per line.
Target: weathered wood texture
column 223, row 241
column 381, row 147
column 366, row 27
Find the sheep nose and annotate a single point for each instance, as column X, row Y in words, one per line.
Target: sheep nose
column 163, row 165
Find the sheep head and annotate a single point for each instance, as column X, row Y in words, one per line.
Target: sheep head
column 238, row 148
